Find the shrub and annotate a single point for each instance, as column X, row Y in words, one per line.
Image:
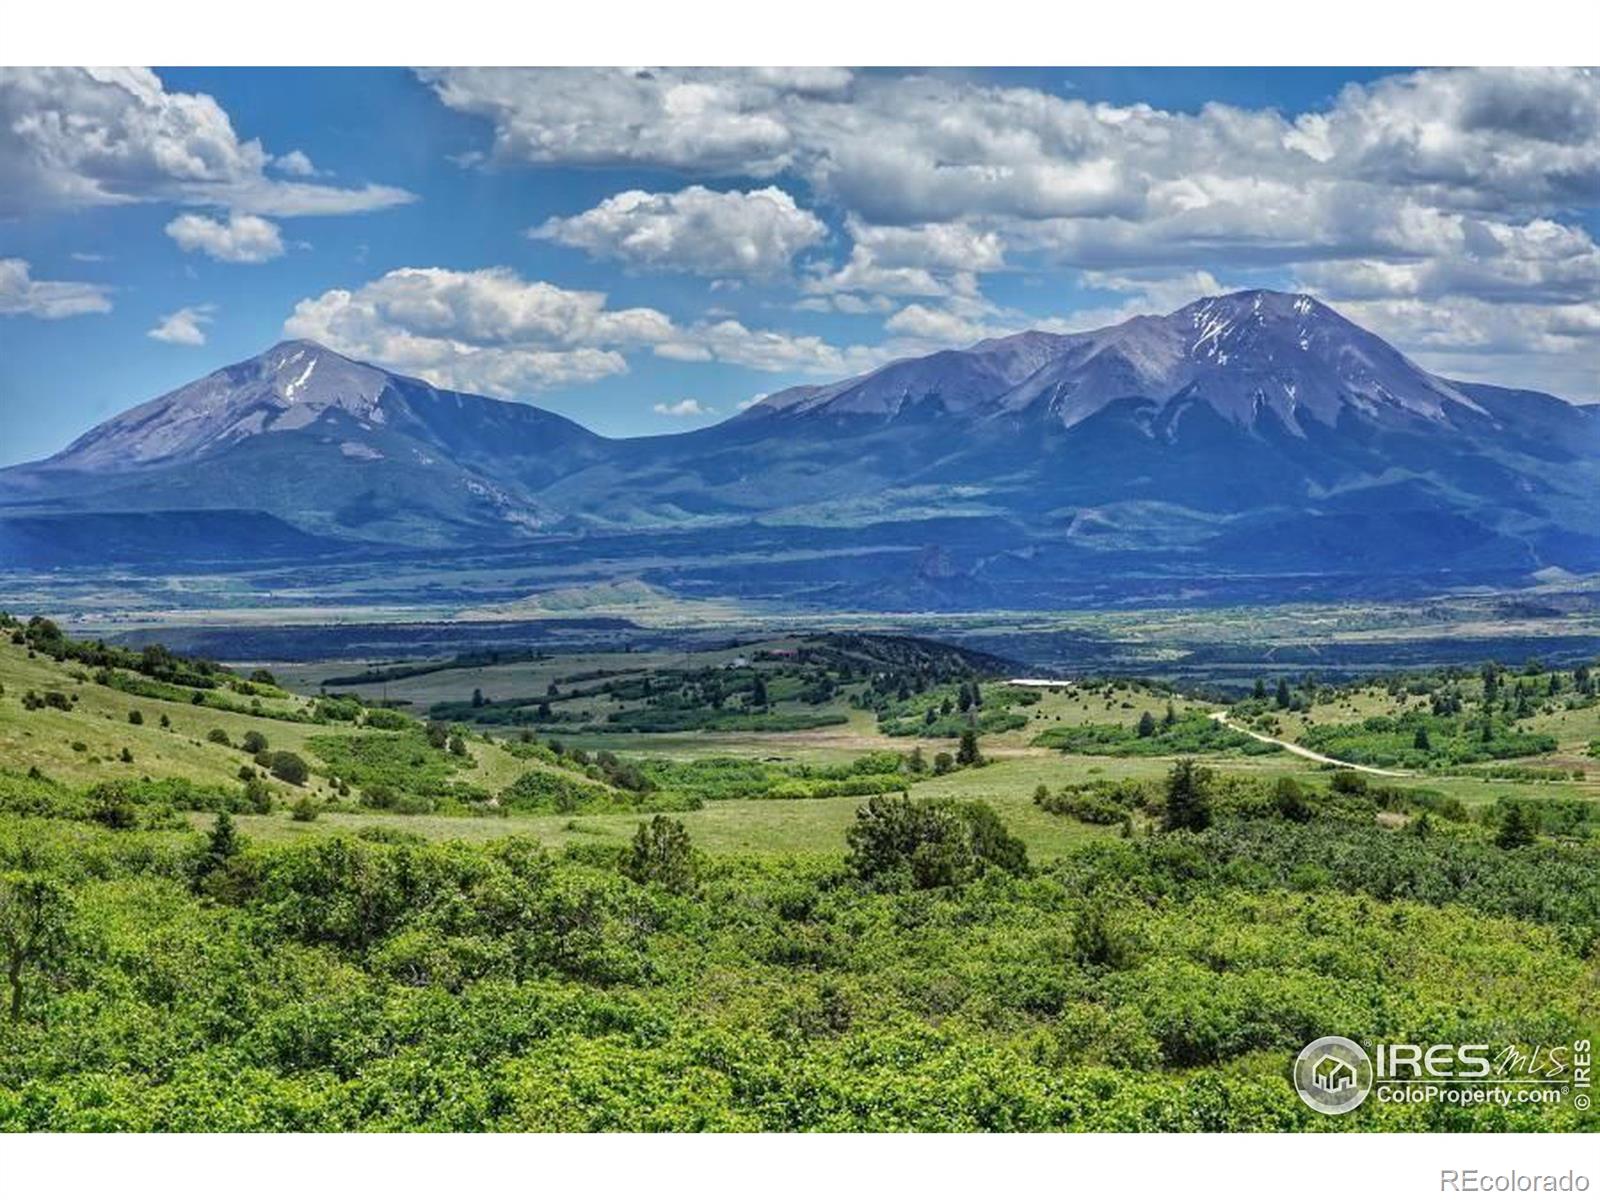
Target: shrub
column 1098, row 802
column 288, row 766
column 1420, row 740
column 257, row 795
column 392, row 799
column 992, row 842
column 35, row 915
column 1192, row 734
column 897, row 839
column 111, row 806
column 219, row 737
column 1103, row 935
column 1289, row 798
column 253, row 742
column 388, row 835
column 1348, row 783
column 404, row 762
column 661, row 854
column 388, row 718
column 554, row 791
column 336, row 708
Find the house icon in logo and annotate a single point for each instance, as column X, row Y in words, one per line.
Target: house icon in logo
column 1333, row 1075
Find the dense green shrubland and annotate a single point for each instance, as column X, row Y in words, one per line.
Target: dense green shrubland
column 1185, row 735
column 1153, row 982
column 667, row 719
column 1418, row 739
column 728, row 777
column 948, row 712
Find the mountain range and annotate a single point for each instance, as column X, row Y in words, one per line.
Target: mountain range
column 1257, row 436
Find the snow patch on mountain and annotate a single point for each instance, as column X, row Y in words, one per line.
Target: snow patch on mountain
column 1251, row 356
column 291, row 386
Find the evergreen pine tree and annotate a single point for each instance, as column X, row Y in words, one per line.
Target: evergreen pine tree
column 1516, row 828
column 1188, row 797
column 223, row 840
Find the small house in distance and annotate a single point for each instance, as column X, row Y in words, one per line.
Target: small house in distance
column 1040, row 683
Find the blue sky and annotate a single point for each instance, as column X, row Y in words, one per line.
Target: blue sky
column 648, row 251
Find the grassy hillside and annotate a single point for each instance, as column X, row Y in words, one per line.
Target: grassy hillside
column 78, row 724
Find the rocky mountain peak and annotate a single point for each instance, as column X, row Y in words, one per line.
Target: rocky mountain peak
column 287, row 387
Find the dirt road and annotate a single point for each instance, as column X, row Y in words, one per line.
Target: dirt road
column 1221, row 718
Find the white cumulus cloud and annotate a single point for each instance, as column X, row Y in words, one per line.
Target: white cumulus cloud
column 696, row 229
column 21, row 295
column 731, row 341
column 493, row 331
column 242, row 238
column 937, row 325
column 184, row 327
column 1453, row 187
column 488, row 330
column 683, row 408
column 905, row 148
column 75, row 138
column 296, row 162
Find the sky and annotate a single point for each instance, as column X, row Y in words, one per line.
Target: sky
column 651, row 250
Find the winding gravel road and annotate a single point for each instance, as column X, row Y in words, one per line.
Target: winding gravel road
column 1221, row 718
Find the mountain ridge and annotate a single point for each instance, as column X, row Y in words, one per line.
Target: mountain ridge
column 1174, row 439
column 1018, row 369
